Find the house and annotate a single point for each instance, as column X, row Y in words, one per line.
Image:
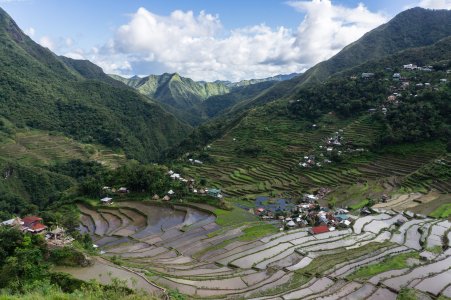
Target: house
column 410, row 67
column 342, row 217
column 391, row 98
column 214, row 193
column 33, row 224
column 15, row 222
column 171, row 192
column 367, row 75
column 106, row 200
column 443, row 80
column 166, row 198
column 318, row 229
column 57, row 237
column 123, row 190
column 372, row 110
column 291, row 223
column 156, row 197
column 396, row 76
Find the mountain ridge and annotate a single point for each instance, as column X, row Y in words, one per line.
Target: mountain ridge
column 42, row 90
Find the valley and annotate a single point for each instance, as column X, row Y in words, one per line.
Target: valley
column 333, row 183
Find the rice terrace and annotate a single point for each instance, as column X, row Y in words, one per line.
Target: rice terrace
column 267, row 150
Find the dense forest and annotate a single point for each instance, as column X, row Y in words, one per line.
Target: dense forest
column 41, row 90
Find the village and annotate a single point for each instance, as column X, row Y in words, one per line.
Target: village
column 336, row 146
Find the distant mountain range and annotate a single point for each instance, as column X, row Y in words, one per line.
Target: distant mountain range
column 184, row 97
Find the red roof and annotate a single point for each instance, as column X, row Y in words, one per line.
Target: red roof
column 38, row 227
column 320, row 229
column 27, row 221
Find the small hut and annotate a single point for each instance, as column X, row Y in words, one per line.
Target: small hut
column 156, row 197
column 106, row 200
column 166, row 198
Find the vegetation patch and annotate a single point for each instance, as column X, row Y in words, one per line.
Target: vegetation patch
column 443, row 211
column 233, row 217
column 391, row 263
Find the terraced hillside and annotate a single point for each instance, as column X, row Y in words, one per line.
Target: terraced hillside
column 36, row 147
column 202, row 261
column 261, row 156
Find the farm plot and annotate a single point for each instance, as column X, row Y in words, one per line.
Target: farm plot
column 285, row 265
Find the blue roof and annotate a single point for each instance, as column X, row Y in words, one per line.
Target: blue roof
column 342, row 216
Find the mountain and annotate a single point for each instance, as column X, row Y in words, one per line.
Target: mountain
column 281, row 77
column 41, row 90
column 196, row 101
column 412, row 28
column 434, row 24
column 182, row 96
column 387, row 142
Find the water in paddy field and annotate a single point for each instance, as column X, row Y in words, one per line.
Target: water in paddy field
column 279, row 204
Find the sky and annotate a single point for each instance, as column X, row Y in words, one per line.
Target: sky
column 203, row 39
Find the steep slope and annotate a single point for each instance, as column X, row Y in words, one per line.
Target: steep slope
column 182, row 96
column 197, row 101
column 261, row 151
column 414, row 27
column 41, row 90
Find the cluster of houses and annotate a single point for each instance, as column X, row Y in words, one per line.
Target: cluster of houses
column 34, row 225
column 413, row 67
column 310, row 214
column 324, row 152
column 190, row 182
column 107, row 200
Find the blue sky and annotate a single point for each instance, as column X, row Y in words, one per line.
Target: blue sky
column 229, row 40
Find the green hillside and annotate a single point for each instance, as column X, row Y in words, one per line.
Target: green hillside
column 412, row 28
column 260, row 151
column 43, row 91
column 182, row 96
column 197, row 101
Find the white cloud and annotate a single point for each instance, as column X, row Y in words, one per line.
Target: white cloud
column 198, row 47
column 435, row 4
column 47, row 42
column 327, row 28
column 30, row 31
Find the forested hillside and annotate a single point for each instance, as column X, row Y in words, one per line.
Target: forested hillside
column 40, row 90
column 412, row 28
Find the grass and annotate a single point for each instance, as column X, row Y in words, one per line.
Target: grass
column 327, row 262
column 444, row 211
column 360, row 205
column 250, row 233
column 391, row 263
column 257, row 231
column 436, row 249
column 407, row 294
column 233, row 217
